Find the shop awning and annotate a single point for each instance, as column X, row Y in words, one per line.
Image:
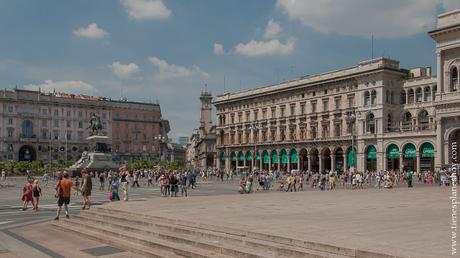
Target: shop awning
column 266, row 158
column 427, row 150
column 294, row 157
column 409, row 151
column 222, row 156
column 371, row 152
column 393, row 152
column 284, row 157
column 257, row 156
column 248, row 156
column 241, row 156
column 233, row 156
column 351, row 157
column 274, row 157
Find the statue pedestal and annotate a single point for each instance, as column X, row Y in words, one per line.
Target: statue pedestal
column 98, row 158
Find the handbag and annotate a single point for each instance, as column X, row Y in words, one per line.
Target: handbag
column 111, row 195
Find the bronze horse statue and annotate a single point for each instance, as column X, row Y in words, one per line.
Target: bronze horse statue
column 95, row 124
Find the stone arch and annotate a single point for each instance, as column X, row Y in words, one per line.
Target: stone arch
column 338, row 156
column 454, row 78
column 418, row 94
column 427, row 94
column 373, row 97
column 370, row 157
column 411, row 96
column 406, row 120
column 314, row 159
column 367, row 98
column 403, row 97
column 409, row 154
column 326, row 158
column 370, row 123
column 423, row 120
column 27, row 153
column 304, row 159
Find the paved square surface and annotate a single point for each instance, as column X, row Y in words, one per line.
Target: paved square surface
column 103, row 250
column 409, row 222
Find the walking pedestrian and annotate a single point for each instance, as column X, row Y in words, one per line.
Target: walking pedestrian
column 409, row 175
column 63, row 190
column 173, row 182
column 183, row 184
column 45, row 179
column 124, row 183
column 36, row 193
column 113, row 189
column 27, row 194
column 101, row 181
column 86, row 187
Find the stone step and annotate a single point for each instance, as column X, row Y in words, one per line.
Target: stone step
column 206, row 244
column 261, row 246
column 150, row 241
column 325, row 250
column 104, row 238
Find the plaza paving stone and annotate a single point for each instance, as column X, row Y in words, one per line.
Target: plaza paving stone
column 406, row 222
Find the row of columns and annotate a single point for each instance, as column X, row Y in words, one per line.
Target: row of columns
column 360, row 162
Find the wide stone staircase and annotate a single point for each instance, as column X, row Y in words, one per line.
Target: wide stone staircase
column 154, row 236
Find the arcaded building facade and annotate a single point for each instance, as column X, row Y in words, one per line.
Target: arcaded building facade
column 372, row 116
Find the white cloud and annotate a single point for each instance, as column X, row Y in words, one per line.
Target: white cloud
column 218, row 49
column 146, row 9
column 91, row 32
column 75, row 87
column 124, row 70
column 265, row 48
column 168, row 71
column 272, row 30
column 386, row 19
column 450, row 5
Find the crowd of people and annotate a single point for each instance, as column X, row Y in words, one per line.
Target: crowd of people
column 330, row 180
column 170, row 183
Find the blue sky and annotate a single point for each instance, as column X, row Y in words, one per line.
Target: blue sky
column 148, row 50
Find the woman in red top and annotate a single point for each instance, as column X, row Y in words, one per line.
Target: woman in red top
column 27, row 194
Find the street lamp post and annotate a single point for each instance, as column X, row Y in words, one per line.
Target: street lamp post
column 352, row 122
column 161, row 139
column 255, row 127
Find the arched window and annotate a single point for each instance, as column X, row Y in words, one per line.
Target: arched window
column 407, row 122
column 427, row 96
column 389, row 123
column 388, row 97
column 454, row 79
column 373, row 97
column 411, row 96
column 391, row 97
column 423, row 120
column 367, row 98
column 403, row 97
column 27, row 129
column 418, row 94
column 370, row 123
